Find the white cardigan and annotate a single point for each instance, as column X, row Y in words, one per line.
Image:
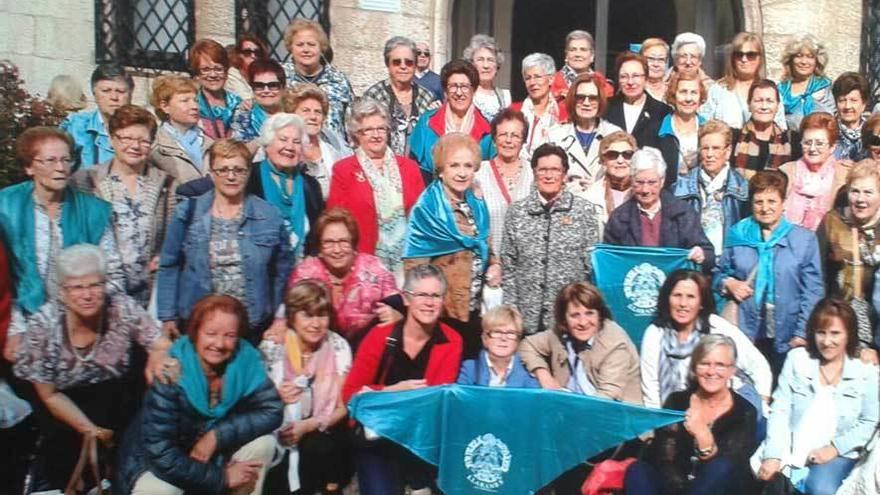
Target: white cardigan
column 749, row 359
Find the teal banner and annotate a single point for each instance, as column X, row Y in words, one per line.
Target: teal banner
column 500, row 440
column 630, row 279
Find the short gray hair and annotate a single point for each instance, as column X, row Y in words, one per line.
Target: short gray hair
column 279, row 121
column 396, row 41
column 689, row 39
column 479, row 41
column 648, row 158
column 707, row 344
column 421, row 272
column 80, row 260
column 540, row 60
column 363, row 108
column 580, row 34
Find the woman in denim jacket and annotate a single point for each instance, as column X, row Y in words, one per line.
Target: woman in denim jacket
column 224, row 242
column 825, row 407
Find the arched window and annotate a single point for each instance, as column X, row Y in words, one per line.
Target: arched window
column 269, row 18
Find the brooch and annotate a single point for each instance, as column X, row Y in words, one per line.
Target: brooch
column 360, row 177
column 565, row 220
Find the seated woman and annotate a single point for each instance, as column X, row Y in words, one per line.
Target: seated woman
column 309, row 369
column 670, row 342
column 428, row 354
column 498, row 364
column 709, row 452
column 224, row 242
column 586, row 352
column 825, row 407
column 357, row 280
column 211, row 431
column 76, row 352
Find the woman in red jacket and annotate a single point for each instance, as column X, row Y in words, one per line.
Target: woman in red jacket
column 376, row 186
column 413, row 353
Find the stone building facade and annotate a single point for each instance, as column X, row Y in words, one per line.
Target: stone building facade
column 49, row 37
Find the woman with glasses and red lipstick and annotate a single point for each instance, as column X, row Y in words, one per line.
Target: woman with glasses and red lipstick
column 248, row 49
column 580, row 138
column 209, row 64
column 266, row 78
column 404, row 101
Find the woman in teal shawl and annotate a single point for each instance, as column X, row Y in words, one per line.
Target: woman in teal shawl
column 211, row 431
column 449, row 228
column 209, row 64
column 804, row 88
column 772, row 269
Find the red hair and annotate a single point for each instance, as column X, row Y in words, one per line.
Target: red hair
column 209, row 305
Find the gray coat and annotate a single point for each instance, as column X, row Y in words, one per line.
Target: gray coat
column 543, row 250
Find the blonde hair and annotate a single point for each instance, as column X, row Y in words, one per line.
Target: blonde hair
column 798, row 43
column 651, row 43
column 298, row 93
column 298, row 25
column 66, row 93
column 736, row 44
column 502, row 315
column 867, row 168
column 451, row 142
column 165, row 87
column 716, row 127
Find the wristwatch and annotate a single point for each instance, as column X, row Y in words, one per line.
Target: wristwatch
column 705, row 452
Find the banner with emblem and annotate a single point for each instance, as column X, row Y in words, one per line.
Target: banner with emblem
column 498, row 440
column 630, row 279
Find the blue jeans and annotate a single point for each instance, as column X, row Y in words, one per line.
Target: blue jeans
column 384, row 468
column 716, row 477
column 827, row 478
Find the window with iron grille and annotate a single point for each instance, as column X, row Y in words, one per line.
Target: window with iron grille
column 269, row 18
column 148, row 34
column 871, row 48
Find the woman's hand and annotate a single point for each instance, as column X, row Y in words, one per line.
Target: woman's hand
column 547, row 381
column 493, row 275
column 11, row 347
column 822, row 455
column 276, row 332
column 697, row 255
column 170, row 330
column 386, row 314
column 797, row 342
column 869, row 356
column 292, row 433
column 153, row 265
column 407, row 385
column 242, row 473
column 103, row 435
column 695, row 423
column 738, row 289
column 290, row 393
column 769, row 467
column 204, row 449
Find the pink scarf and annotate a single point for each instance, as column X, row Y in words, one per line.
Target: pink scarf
column 811, row 194
column 321, row 369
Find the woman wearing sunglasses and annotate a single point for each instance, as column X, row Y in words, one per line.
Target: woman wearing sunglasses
column 615, row 185
column 404, row 100
column 248, row 49
column 266, row 79
column 580, row 137
column 871, row 136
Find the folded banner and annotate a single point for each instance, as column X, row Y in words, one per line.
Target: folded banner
column 502, row 440
column 630, row 279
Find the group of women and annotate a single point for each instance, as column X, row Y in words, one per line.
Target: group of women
column 268, row 246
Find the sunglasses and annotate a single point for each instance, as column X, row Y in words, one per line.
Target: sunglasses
column 580, row 98
column 403, row 61
column 750, row 56
column 262, row 86
column 251, row 52
column 872, row 140
column 423, row 53
column 614, row 154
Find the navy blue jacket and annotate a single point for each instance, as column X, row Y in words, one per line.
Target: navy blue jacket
column 734, row 202
column 647, row 128
column 163, row 433
column 476, row 372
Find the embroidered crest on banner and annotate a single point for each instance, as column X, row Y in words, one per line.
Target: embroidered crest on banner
column 487, row 459
column 641, row 287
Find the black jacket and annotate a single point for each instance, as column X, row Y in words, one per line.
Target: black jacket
column 680, row 227
column 163, row 433
column 647, row 126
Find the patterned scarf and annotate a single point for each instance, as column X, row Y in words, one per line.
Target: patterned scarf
column 320, row 372
column 675, row 357
column 747, row 149
column 849, row 144
column 224, row 113
column 467, row 122
column 811, row 196
column 712, row 214
column 388, row 198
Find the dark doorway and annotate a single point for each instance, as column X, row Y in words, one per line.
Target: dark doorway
column 541, row 26
column 633, row 21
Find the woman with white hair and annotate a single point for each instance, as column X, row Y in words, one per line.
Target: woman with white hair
column 804, row 88
column 654, row 217
column 403, row 100
column 688, row 50
column 579, row 56
column 541, row 110
column 229, row 241
column 76, row 353
column 483, row 52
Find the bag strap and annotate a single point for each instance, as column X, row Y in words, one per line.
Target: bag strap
column 88, row 454
column 391, row 343
column 857, row 264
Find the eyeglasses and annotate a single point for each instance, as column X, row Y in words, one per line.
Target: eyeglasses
column 84, row 288
column 716, row 366
column 331, row 243
column 423, row 53
column 425, row 295
column 266, row 86
column 485, row 60
column 850, row 101
column 872, row 140
column 646, row 183
column 251, row 52
column 656, row 60
column 132, row 141
column 688, row 57
column 631, row 77
column 373, row 131
column 212, row 70
column 53, row 162
column 509, row 135
column 234, row 171
column 460, row 88
column 814, row 143
column 750, row 56
column 534, row 77
column 397, row 62
column 614, row 154
column 581, row 98
column 501, row 335
column 549, row 172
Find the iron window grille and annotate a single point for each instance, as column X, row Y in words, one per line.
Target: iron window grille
column 269, row 18
column 146, row 34
column 870, row 63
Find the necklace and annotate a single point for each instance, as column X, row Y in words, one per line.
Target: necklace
column 829, row 381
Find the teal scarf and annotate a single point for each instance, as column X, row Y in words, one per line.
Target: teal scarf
column 84, row 218
column 747, row 232
column 804, row 101
column 224, row 114
column 258, row 118
column 292, row 206
column 432, row 230
column 244, row 374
